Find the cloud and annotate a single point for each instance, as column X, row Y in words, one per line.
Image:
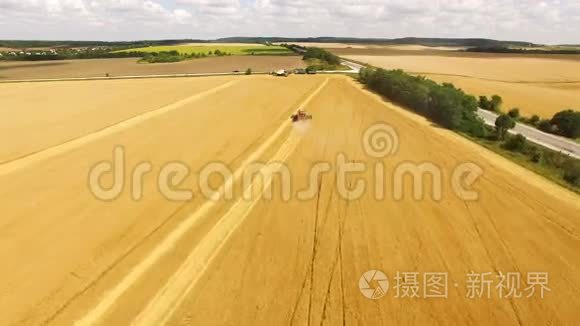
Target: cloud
column 547, row 21
column 182, row 16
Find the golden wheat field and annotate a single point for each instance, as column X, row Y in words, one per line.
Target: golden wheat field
column 72, row 257
column 539, row 86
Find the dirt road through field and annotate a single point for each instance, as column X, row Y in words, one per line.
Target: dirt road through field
column 255, row 259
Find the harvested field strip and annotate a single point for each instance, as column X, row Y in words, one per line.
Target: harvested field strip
column 56, row 112
column 33, row 158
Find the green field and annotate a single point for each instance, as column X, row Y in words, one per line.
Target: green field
column 234, row 50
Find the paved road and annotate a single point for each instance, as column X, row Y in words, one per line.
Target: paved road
column 354, row 68
column 556, row 143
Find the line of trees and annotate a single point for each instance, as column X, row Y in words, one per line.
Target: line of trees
column 454, row 109
column 569, row 167
column 175, row 56
column 565, row 123
column 321, row 59
column 491, row 105
column 162, row 57
column 22, row 44
column 321, row 54
column 70, row 55
column 444, row 104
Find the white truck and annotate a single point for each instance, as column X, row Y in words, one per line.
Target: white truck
column 281, row 73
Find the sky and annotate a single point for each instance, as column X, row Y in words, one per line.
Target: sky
column 548, row 21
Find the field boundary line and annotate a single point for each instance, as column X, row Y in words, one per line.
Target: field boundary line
column 170, row 241
column 207, row 74
column 30, row 159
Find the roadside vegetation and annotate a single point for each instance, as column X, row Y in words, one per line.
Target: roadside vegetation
column 553, row 165
column 320, row 65
column 452, row 108
column 444, row 104
column 491, row 105
column 320, row 59
column 565, row 123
